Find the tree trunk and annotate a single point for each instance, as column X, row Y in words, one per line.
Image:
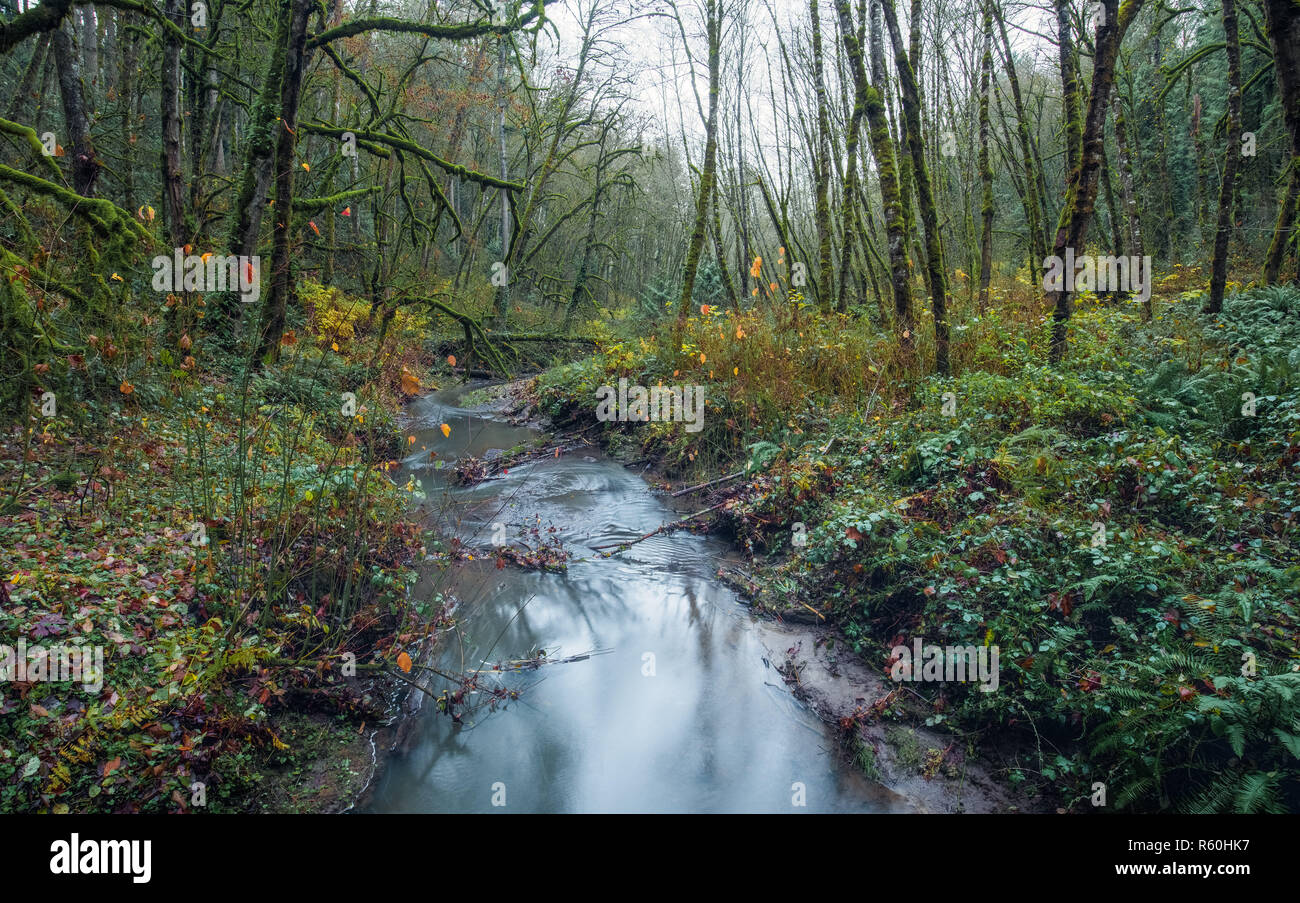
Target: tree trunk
column 1283, row 18
column 85, row 164
column 822, row 171
column 867, row 100
column 1072, row 127
column 1081, row 193
column 1228, row 190
column 1033, row 203
column 170, row 93
column 924, row 190
column 501, row 310
column 713, row 28
column 282, row 285
column 985, row 167
column 1128, row 195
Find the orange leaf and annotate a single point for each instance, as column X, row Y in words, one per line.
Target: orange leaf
column 853, row 534
column 404, row 661
column 446, row 430
column 347, row 211
column 112, row 766
column 451, row 360
column 410, row 383
column 314, row 227
column 126, row 388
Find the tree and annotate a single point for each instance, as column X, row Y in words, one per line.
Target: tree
column 822, row 166
column 1283, row 23
column 868, row 102
column 985, row 167
column 713, row 35
column 1081, row 191
column 1228, row 191
column 924, row 190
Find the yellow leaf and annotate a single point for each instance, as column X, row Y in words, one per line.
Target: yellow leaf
column 334, row 346
column 306, row 167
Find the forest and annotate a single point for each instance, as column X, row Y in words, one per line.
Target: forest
column 650, row 405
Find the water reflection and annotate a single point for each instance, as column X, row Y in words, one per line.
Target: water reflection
column 684, row 713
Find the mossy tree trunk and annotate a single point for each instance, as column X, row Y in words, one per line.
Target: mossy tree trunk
column 1283, row 23
column 984, row 164
column 713, row 30
column 170, row 93
column 911, row 101
column 297, row 13
column 1231, row 158
column 822, row 171
column 1071, row 124
column 868, row 102
column 1081, row 192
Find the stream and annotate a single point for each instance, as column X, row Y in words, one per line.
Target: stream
column 681, row 710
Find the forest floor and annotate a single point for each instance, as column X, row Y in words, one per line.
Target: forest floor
column 1122, row 527
column 190, row 528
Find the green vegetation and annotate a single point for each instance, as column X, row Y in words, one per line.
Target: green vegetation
column 196, row 538
column 1121, row 527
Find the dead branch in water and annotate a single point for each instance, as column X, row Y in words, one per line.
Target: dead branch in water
column 675, row 525
column 536, row 661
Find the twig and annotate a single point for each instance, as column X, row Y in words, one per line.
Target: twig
column 690, row 489
column 670, row 526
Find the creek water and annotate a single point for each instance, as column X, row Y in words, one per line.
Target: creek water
column 682, row 710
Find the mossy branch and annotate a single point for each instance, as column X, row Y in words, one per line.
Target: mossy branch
column 311, row 205
column 414, row 149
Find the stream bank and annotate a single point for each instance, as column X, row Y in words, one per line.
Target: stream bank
column 651, row 684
